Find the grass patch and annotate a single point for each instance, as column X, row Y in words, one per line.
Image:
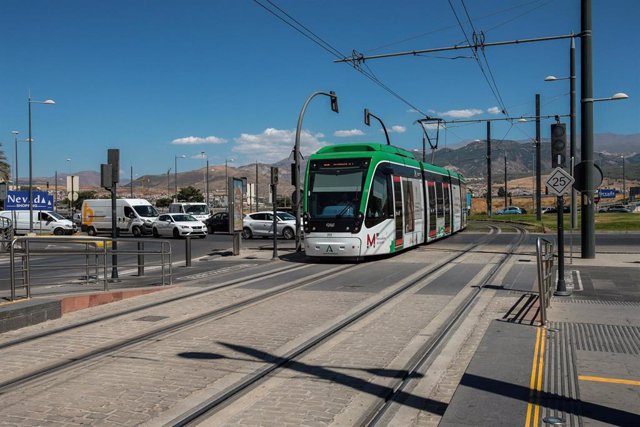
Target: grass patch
column 603, row 221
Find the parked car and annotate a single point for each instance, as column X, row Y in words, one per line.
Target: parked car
column 218, row 222
column 261, row 224
column 617, row 208
column 510, row 210
column 554, row 209
column 178, row 225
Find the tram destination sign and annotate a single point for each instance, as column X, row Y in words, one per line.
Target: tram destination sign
column 559, row 182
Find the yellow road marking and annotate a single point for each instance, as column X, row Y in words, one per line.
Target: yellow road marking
column 608, row 380
column 540, row 375
column 532, row 383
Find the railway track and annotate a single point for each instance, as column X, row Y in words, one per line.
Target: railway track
column 47, row 374
column 211, row 406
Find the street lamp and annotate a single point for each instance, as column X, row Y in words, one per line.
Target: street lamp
column 175, row 173
column 296, row 156
column 624, row 182
column 29, row 102
column 15, row 145
column 588, row 226
column 367, row 121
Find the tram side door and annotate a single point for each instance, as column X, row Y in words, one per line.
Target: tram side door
column 397, row 197
column 431, row 194
column 440, row 209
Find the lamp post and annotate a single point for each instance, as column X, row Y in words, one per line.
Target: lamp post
column 587, row 231
column 15, row 147
column 168, row 186
column 29, row 102
column 205, row 174
column 296, row 156
column 506, row 191
column 70, row 194
column 367, row 121
column 175, row 173
column 624, row 182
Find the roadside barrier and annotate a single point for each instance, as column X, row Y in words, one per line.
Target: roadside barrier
column 544, row 254
column 57, row 261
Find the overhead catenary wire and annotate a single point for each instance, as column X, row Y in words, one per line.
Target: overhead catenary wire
column 306, row 32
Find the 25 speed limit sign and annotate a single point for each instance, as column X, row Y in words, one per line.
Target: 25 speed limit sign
column 559, row 182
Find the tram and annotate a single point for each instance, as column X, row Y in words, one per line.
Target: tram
column 372, row 199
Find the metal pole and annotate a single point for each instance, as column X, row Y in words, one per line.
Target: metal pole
column 207, row 183
column 274, row 190
column 624, row 182
column 586, row 132
column 505, row 180
column 131, row 184
column 561, row 287
column 256, row 189
column 168, row 186
column 572, row 125
column 175, row 176
column 114, row 233
column 140, row 259
column 489, row 209
column 55, row 194
column 71, row 200
column 226, row 180
column 538, row 205
column 30, row 173
column 187, row 251
column 15, row 143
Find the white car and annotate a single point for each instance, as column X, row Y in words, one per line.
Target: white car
column 178, row 225
column 261, row 224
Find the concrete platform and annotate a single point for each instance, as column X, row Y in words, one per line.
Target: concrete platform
column 582, row 369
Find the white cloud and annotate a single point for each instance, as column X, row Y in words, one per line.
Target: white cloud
column 462, row 114
column 413, row 110
column 397, row 129
column 433, row 126
column 194, row 140
column 494, row 110
column 277, row 144
column 346, row 133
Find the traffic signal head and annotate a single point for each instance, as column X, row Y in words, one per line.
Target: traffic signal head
column 334, row 101
column 274, row 176
column 558, row 145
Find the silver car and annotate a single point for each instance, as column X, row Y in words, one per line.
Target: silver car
column 261, row 224
column 178, row 225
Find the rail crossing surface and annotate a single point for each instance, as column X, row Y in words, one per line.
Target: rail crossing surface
column 256, row 342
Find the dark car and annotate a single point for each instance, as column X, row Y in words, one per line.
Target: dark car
column 218, row 222
column 554, row 209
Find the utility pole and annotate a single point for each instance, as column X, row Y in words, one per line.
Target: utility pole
column 505, row 180
column 489, row 168
column 572, row 125
column 587, row 231
column 538, row 205
column 256, row 189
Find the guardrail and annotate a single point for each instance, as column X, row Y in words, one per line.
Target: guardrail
column 544, row 254
column 90, row 261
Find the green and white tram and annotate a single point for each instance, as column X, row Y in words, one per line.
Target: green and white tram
column 373, row 199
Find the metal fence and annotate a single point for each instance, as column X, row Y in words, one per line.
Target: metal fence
column 544, row 253
column 90, row 262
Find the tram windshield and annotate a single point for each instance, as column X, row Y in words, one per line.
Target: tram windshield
column 335, row 187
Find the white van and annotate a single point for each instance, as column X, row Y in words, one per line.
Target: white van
column 44, row 222
column 198, row 210
column 133, row 216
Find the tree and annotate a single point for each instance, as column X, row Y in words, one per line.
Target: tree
column 190, row 194
column 163, row 202
column 5, row 169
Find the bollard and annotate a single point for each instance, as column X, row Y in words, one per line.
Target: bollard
column 140, row 259
column 187, row 251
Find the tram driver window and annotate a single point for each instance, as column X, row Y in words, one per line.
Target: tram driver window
column 379, row 203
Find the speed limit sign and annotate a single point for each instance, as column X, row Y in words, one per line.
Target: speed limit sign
column 559, row 182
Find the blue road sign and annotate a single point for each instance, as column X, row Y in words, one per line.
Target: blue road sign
column 19, row 201
column 607, row 193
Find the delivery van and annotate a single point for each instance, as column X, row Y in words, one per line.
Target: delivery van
column 133, row 216
column 44, row 222
column 198, row 210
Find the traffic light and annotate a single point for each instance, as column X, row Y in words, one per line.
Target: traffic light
column 274, row 176
column 334, row 101
column 558, row 145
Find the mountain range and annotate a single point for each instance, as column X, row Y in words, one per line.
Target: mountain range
column 468, row 159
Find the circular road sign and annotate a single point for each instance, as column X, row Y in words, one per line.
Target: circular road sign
column 578, row 173
column 72, row 196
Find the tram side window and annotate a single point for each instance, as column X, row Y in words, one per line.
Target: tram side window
column 440, row 199
column 379, row 204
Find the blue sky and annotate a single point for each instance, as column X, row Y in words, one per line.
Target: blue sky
column 158, row 79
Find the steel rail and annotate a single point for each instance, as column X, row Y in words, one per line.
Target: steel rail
column 419, row 362
column 211, row 405
column 79, row 361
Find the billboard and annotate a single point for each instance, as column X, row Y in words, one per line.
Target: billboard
column 19, row 201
